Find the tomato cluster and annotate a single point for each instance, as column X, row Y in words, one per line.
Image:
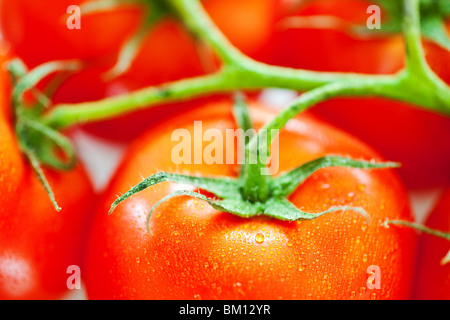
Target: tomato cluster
column 193, row 251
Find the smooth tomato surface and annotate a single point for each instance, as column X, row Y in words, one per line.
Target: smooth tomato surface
column 196, row 252
column 37, row 244
column 37, row 30
column 248, row 24
column 401, row 132
column 432, row 281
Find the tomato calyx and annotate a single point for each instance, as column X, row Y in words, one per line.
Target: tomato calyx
column 425, row 229
column 253, row 193
column 39, row 143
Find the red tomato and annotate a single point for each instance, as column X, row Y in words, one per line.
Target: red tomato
column 37, row 30
column 416, row 138
column 37, row 244
column 433, row 279
column 248, row 24
column 333, row 48
column 196, row 252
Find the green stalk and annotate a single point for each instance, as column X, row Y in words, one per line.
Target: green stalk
column 416, row 85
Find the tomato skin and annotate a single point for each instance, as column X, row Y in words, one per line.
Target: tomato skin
column 248, row 24
column 399, row 131
column 432, row 281
column 196, row 252
column 416, row 138
column 332, row 49
column 37, row 244
column 37, row 30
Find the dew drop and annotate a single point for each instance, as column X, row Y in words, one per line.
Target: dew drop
column 259, row 238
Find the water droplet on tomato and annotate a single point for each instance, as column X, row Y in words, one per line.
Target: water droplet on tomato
column 259, row 238
column 302, row 267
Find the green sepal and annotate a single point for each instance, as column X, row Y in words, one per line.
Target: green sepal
column 276, row 207
column 36, row 166
column 221, row 187
column 282, row 209
column 229, row 192
column 433, row 14
column 30, row 79
column 285, row 184
column 433, row 28
column 45, row 143
column 235, row 206
column 40, row 144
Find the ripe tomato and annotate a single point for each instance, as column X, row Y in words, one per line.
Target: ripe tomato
column 196, row 252
column 248, row 24
column 416, row 138
column 433, row 279
column 37, row 244
column 37, row 30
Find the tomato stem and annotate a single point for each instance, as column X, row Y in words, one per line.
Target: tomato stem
column 419, row 227
column 416, row 84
